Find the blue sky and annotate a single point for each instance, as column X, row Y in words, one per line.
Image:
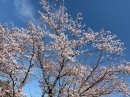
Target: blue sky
column 18, row 11
column 113, row 15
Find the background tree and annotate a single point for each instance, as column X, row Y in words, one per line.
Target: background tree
column 5, row 89
column 74, row 61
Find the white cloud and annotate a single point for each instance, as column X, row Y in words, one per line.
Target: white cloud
column 24, row 9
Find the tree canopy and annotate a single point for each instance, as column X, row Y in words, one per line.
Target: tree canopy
column 67, row 58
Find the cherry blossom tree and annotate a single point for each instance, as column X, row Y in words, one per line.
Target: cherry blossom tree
column 79, row 62
column 68, row 59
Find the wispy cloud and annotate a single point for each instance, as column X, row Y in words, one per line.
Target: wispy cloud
column 24, row 9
